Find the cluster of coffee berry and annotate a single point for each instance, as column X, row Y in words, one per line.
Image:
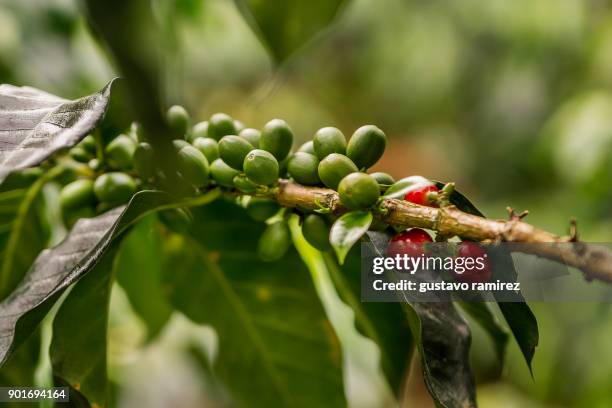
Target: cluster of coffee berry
column 102, row 183
column 223, row 152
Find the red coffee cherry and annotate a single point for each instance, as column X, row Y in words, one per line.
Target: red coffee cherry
column 475, row 266
column 410, row 242
column 419, row 196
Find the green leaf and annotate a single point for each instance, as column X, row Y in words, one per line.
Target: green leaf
column 385, row 323
column 58, row 267
column 19, row 370
column 276, row 346
column 78, row 347
column 399, row 189
column 521, row 320
column 483, row 315
column 138, row 271
column 443, row 339
column 524, row 327
column 22, row 234
column 51, row 124
column 285, row 26
column 347, row 230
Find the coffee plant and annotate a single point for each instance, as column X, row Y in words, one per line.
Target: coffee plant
column 232, row 227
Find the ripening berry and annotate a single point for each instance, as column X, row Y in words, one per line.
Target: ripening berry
column 307, row 147
column 222, row 173
column 334, row 168
column 383, row 179
column 233, row 150
column 219, row 125
column 193, row 166
column 419, row 195
column 178, row 121
column 303, row 167
column 316, row 231
column 208, row 146
column 79, row 154
column 260, row 209
column 79, row 193
column 120, row 152
column 411, row 242
column 200, row 129
column 114, row 188
column 239, row 126
column 274, row 242
column 358, row 191
column 251, row 135
column 366, row 146
column 475, row 271
column 261, row 167
column 329, row 140
column 277, row 138
column 137, row 133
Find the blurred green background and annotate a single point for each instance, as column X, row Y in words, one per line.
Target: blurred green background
column 510, row 99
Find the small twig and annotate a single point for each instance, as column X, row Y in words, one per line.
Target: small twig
column 595, row 261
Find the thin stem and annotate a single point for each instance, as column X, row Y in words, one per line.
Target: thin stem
column 595, row 261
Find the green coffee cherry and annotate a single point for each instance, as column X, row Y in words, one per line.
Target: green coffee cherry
column 316, row 232
column 220, row 125
column 193, row 166
column 242, row 183
column 276, row 138
column 239, row 126
column 274, row 242
column 79, row 154
column 303, row 167
column 94, row 164
column 307, row 147
column 358, row 191
column 144, row 161
column 334, row 168
column 200, row 129
column 208, row 147
column 222, row 173
column 366, row 146
column 178, row 220
column 329, row 140
column 88, row 144
column 79, row 193
column 251, row 135
column 261, row 167
column 137, row 132
column 179, row 144
column 383, row 178
column 260, row 209
column 233, row 150
column 114, row 188
column 120, row 152
column 178, row 120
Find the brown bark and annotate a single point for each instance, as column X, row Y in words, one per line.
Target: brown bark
column 594, row 261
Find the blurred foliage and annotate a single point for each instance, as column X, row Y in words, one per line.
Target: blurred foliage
column 512, row 100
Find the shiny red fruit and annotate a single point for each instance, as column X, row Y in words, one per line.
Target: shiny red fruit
column 475, row 265
column 419, row 196
column 410, row 242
